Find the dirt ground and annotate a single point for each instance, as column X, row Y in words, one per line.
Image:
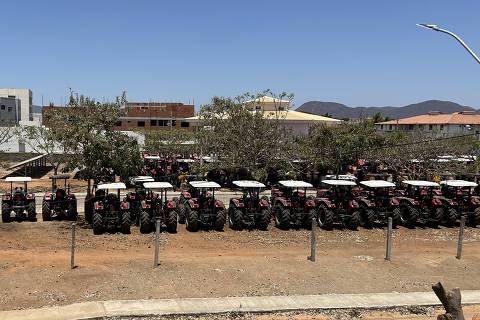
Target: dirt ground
column 35, row 263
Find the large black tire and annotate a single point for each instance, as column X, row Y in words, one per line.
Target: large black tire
column 235, row 219
column 192, row 222
column 145, row 222
column 72, row 213
column 282, row 218
column 6, row 210
column 182, row 214
column 97, row 223
column 263, row 220
column 474, row 219
column 409, row 215
column 46, row 212
column 220, row 220
column 325, row 217
column 171, row 221
column 31, row 212
column 367, row 218
column 126, row 222
column 308, row 218
column 396, row 218
column 354, row 220
column 437, row 217
column 88, row 208
column 135, row 212
column 450, row 217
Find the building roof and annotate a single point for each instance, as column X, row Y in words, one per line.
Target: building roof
column 290, row 115
column 267, row 99
column 463, row 117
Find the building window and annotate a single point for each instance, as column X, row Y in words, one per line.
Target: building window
column 160, row 123
column 381, row 127
column 153, row 123
column 430, row 127
column 118, row 123
column 10, row 109
column 411, row 127
column 441, row 127
column 141, row 123
column 3, row 107
column 185, row 124
column 173, row 123
column 389, row 127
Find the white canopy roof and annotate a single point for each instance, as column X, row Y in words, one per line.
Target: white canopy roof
column 459, row 183
column 142, row 179
column 152, row 157
column 377, row 184
column 421, row 183
column 158, row 185
column 204, row 184
column 340, row 177
column 185, row 160
column 248, row 184
column 339, row 182
column 113, row 186
column 18, row 179
column 295, row 184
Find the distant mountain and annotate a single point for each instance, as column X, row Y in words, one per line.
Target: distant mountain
column 338, row 110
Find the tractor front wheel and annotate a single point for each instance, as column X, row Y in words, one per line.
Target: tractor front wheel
column 325, row 217
column 145, row 223
column 308, row 218
column 409, row 215
column 438, row 216
column 220, row 220
column 396, row 218
column 46, row 211
column 263, row 219
column 97, row 222
column 6, row 210
column 450, row 217
column 88, row 208
column 171, row 221
column 235, row 219
column 31, row 212
column 367, row 218
column 126, row 222
column 72, row 213
column 282, row 218
column 354, row 220
column 191, row 220
column 182, row 214
column 474, row 219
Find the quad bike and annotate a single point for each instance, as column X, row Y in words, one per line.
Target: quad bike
column 249, row 210
column 156, row 206
column 462, row 192
column 109, row 212
column 59, row 203
column 291, row 206
column 136, row 197
column 337, row 204
column 423, row 202
column 19, row 201
column 200, row 207
column 377, row 203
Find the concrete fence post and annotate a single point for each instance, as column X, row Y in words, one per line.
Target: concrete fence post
column 388, row 254
column 461, row 233
column 313, row 240
column 156, row 263
column 72, row 247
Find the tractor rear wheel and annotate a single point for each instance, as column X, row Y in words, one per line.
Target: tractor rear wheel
column 97, row 222
column 72, row 213
column 144, row 222
column 450, row 217
column 409, row 215
column 235, row 219
column 474, row 219
column 171, row 221
column 367, row 218
column 354, row 220
column 191, row 219
column 46, row 212
column 263, row 219
column 396, row 218
column 220, row 220
column 325, row 217
column 126, row 222
column 6, row 210
column 31, row 212
column 282, row 218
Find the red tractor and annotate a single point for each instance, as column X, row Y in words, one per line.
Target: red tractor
column 291, row 207
column 156, row 206
column 109, row 212
column 462, row 192
column 59, row 203
column 249, row 210
column 135, row 198
column 19, row 201
column 337, row 204
column 377, row 203
column 422, row 201
column 200, row 207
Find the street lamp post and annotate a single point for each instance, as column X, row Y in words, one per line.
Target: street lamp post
column 436, row 28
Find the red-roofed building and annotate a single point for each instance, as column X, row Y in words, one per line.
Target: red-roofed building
column 436, row 123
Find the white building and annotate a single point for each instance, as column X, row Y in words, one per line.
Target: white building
column 24, row 98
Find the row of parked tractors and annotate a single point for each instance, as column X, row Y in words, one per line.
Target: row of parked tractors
column 292, row 204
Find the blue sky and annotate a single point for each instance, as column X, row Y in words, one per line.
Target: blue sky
column 361, row 53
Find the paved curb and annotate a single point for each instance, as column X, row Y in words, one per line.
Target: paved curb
column 195, row 306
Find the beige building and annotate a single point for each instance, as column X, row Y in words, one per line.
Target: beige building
column 273, row 108
column 24, row 98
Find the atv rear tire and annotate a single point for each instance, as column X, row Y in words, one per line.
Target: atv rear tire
column 46, row 212
column 6, row 210
column 235, row 219
column 72, row 213
column 282, row 218
column 263, row 220
column 325, row 217
column 171, row 222
column 367, row 218
column 409, row 215
column 450, row 217
column 144, row 222
column 97, row 223
column 192, row 222
column 220, row 220
column 126, row 222
column 354, row 220
column 31, row 212
column 474, row 219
